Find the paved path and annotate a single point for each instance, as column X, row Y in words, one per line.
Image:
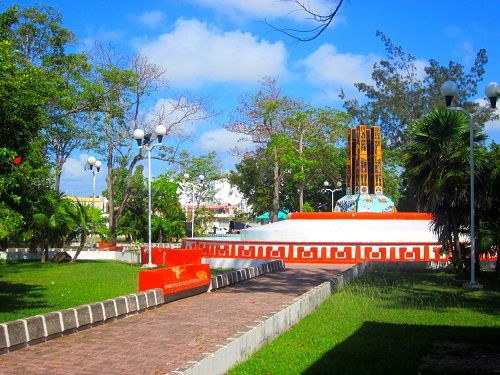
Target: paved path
column 159, row 341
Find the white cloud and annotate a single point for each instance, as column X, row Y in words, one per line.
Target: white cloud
column 194, row 53
column 77, row 181
column 267, row 8
column 326, row 64
column 332, row 70
column 74, row 169
column 222, row 140
column 493, row 125
column 150, row 19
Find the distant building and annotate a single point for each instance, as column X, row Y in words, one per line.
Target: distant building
column 100, row 203
column 226, row 203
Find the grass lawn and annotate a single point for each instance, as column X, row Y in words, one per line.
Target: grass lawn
column 31, row 288
column 390, row 322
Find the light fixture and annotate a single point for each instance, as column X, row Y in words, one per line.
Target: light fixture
column 144, row 142
column 449, row 90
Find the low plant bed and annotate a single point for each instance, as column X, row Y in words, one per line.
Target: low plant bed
column 390, row 322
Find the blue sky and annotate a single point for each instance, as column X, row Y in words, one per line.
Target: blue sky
column 221, row 49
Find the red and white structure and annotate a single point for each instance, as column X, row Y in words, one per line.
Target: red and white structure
column 338, row 237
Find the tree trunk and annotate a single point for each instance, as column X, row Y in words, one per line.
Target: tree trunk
column 111, row 195
column 456, row 244
column 83, row 239
column 45, row 253
column 497, row 265
column 58, row 171
column 276, row 194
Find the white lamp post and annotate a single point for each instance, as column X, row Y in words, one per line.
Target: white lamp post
column 185, row 185
column 146, row 143
column 91, row 163
column 333, row 191
column 449, row 90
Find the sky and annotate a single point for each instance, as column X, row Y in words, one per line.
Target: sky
column 222, row 48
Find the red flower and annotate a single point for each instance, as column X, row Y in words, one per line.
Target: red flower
column 17, row 160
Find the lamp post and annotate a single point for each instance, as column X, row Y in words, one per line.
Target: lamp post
column 145, row 142
column 91, row 163
column 333, row 191
column 449, row 90
column 185, row 184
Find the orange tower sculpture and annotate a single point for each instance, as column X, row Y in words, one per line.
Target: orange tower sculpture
column 365, row 182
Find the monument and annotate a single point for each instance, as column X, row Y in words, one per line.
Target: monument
column 365, row 180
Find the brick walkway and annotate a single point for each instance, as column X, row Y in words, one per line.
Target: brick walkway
column 161, row 340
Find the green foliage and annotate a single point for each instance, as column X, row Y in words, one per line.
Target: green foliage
column 51, row 220
column 134, row 221
column 23, row 96
column 399, row 97
column 489, row 201
column 168, row 220
column 437, row 169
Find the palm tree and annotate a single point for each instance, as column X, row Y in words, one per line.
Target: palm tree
column 437, row 166
column 51, row 222
column 87, row 219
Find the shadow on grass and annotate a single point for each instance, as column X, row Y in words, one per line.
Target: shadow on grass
column 382, row 348
column 18, row 296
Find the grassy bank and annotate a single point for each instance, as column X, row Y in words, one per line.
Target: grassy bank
column 31, row 288
column 389, row 323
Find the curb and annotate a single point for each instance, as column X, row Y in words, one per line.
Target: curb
column 40, row 328
column 240, row 348
column 237, row 276
column 33, row 330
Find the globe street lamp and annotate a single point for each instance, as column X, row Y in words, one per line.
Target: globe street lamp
column 449, row 90
column 145, row 142
column 333, row 191
column 185, row 185
column 91, row 163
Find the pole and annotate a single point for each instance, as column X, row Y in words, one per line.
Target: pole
column 472, row 208
column 93, row 188
column 150, row 262
column 192, row 213
column 333, row 192
column 93, row 203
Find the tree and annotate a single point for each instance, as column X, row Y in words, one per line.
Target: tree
column 87, row 220
column 125, row 106
column 41, row 41
column 253, row 176
column 168, row 220
column 488, row 203
column 437, row 168
column 133, row 223
column 399, row 97
column 308, row 132
column 51, row 222
column 261, row 118
column 207, row 166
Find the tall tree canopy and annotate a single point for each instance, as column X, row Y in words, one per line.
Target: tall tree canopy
column 402, row 93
